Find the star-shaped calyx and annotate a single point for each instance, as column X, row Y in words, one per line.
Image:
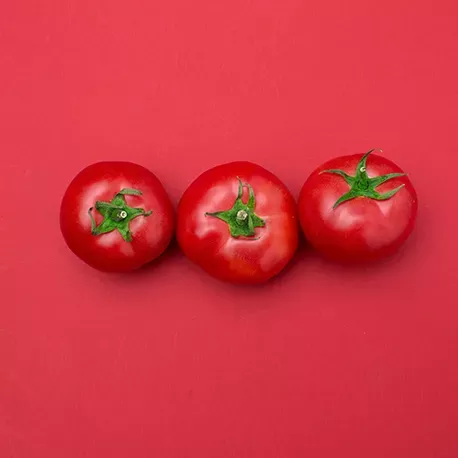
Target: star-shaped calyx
column 241, row 218
column 117, row 215
column 363, row 186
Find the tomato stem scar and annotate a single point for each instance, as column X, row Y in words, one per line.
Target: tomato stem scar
column 242, row 215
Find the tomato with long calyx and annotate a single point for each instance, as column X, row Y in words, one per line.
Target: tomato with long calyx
column 357, row 207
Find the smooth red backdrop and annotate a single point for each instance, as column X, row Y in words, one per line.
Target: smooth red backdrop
column 323, row 362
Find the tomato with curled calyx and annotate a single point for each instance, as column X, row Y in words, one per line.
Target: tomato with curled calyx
column 116, row 216
column 238, row 222
column 357, row 207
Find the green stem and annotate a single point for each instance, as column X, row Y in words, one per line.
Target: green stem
column 363, row 186
column 241, row 218
column 117, row 215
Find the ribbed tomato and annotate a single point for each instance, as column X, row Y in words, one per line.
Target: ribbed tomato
column 238, row 222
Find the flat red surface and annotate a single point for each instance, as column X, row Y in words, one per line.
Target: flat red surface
column 325, row 361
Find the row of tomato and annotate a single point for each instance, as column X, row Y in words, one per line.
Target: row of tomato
column 238, row 221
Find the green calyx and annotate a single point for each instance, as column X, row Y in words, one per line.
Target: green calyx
column 363, row 186
column 117, row 214
column 241, row 218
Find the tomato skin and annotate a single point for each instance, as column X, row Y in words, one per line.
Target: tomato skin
column 360, row 229
column 207, row 240
column 109, row 252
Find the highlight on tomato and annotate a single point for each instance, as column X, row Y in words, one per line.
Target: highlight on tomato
column 360, row 207
column 238, row 222
column 116, row 216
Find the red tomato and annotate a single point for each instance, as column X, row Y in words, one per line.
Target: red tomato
column 116, row 216
column 238, row 222
column 357, row 208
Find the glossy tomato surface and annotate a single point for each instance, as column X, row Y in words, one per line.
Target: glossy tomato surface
column 238, row 222
column 116, row 216
column 357, row 208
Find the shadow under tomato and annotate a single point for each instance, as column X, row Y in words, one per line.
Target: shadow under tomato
column 172, row 251
column 251, row 298
column 341, row 269
column 152, row 271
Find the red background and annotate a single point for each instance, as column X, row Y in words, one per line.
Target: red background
column 322, row 362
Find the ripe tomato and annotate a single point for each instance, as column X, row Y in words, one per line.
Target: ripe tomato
column 357, row 208
column 238, row 222
column 116, row 216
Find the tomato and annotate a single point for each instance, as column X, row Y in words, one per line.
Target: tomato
column 238, row 222
column 357, row 208
column 116, row 216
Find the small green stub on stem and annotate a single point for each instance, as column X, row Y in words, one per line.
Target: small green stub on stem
column 117, row 215
column 363, row 186
column 241, row 218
